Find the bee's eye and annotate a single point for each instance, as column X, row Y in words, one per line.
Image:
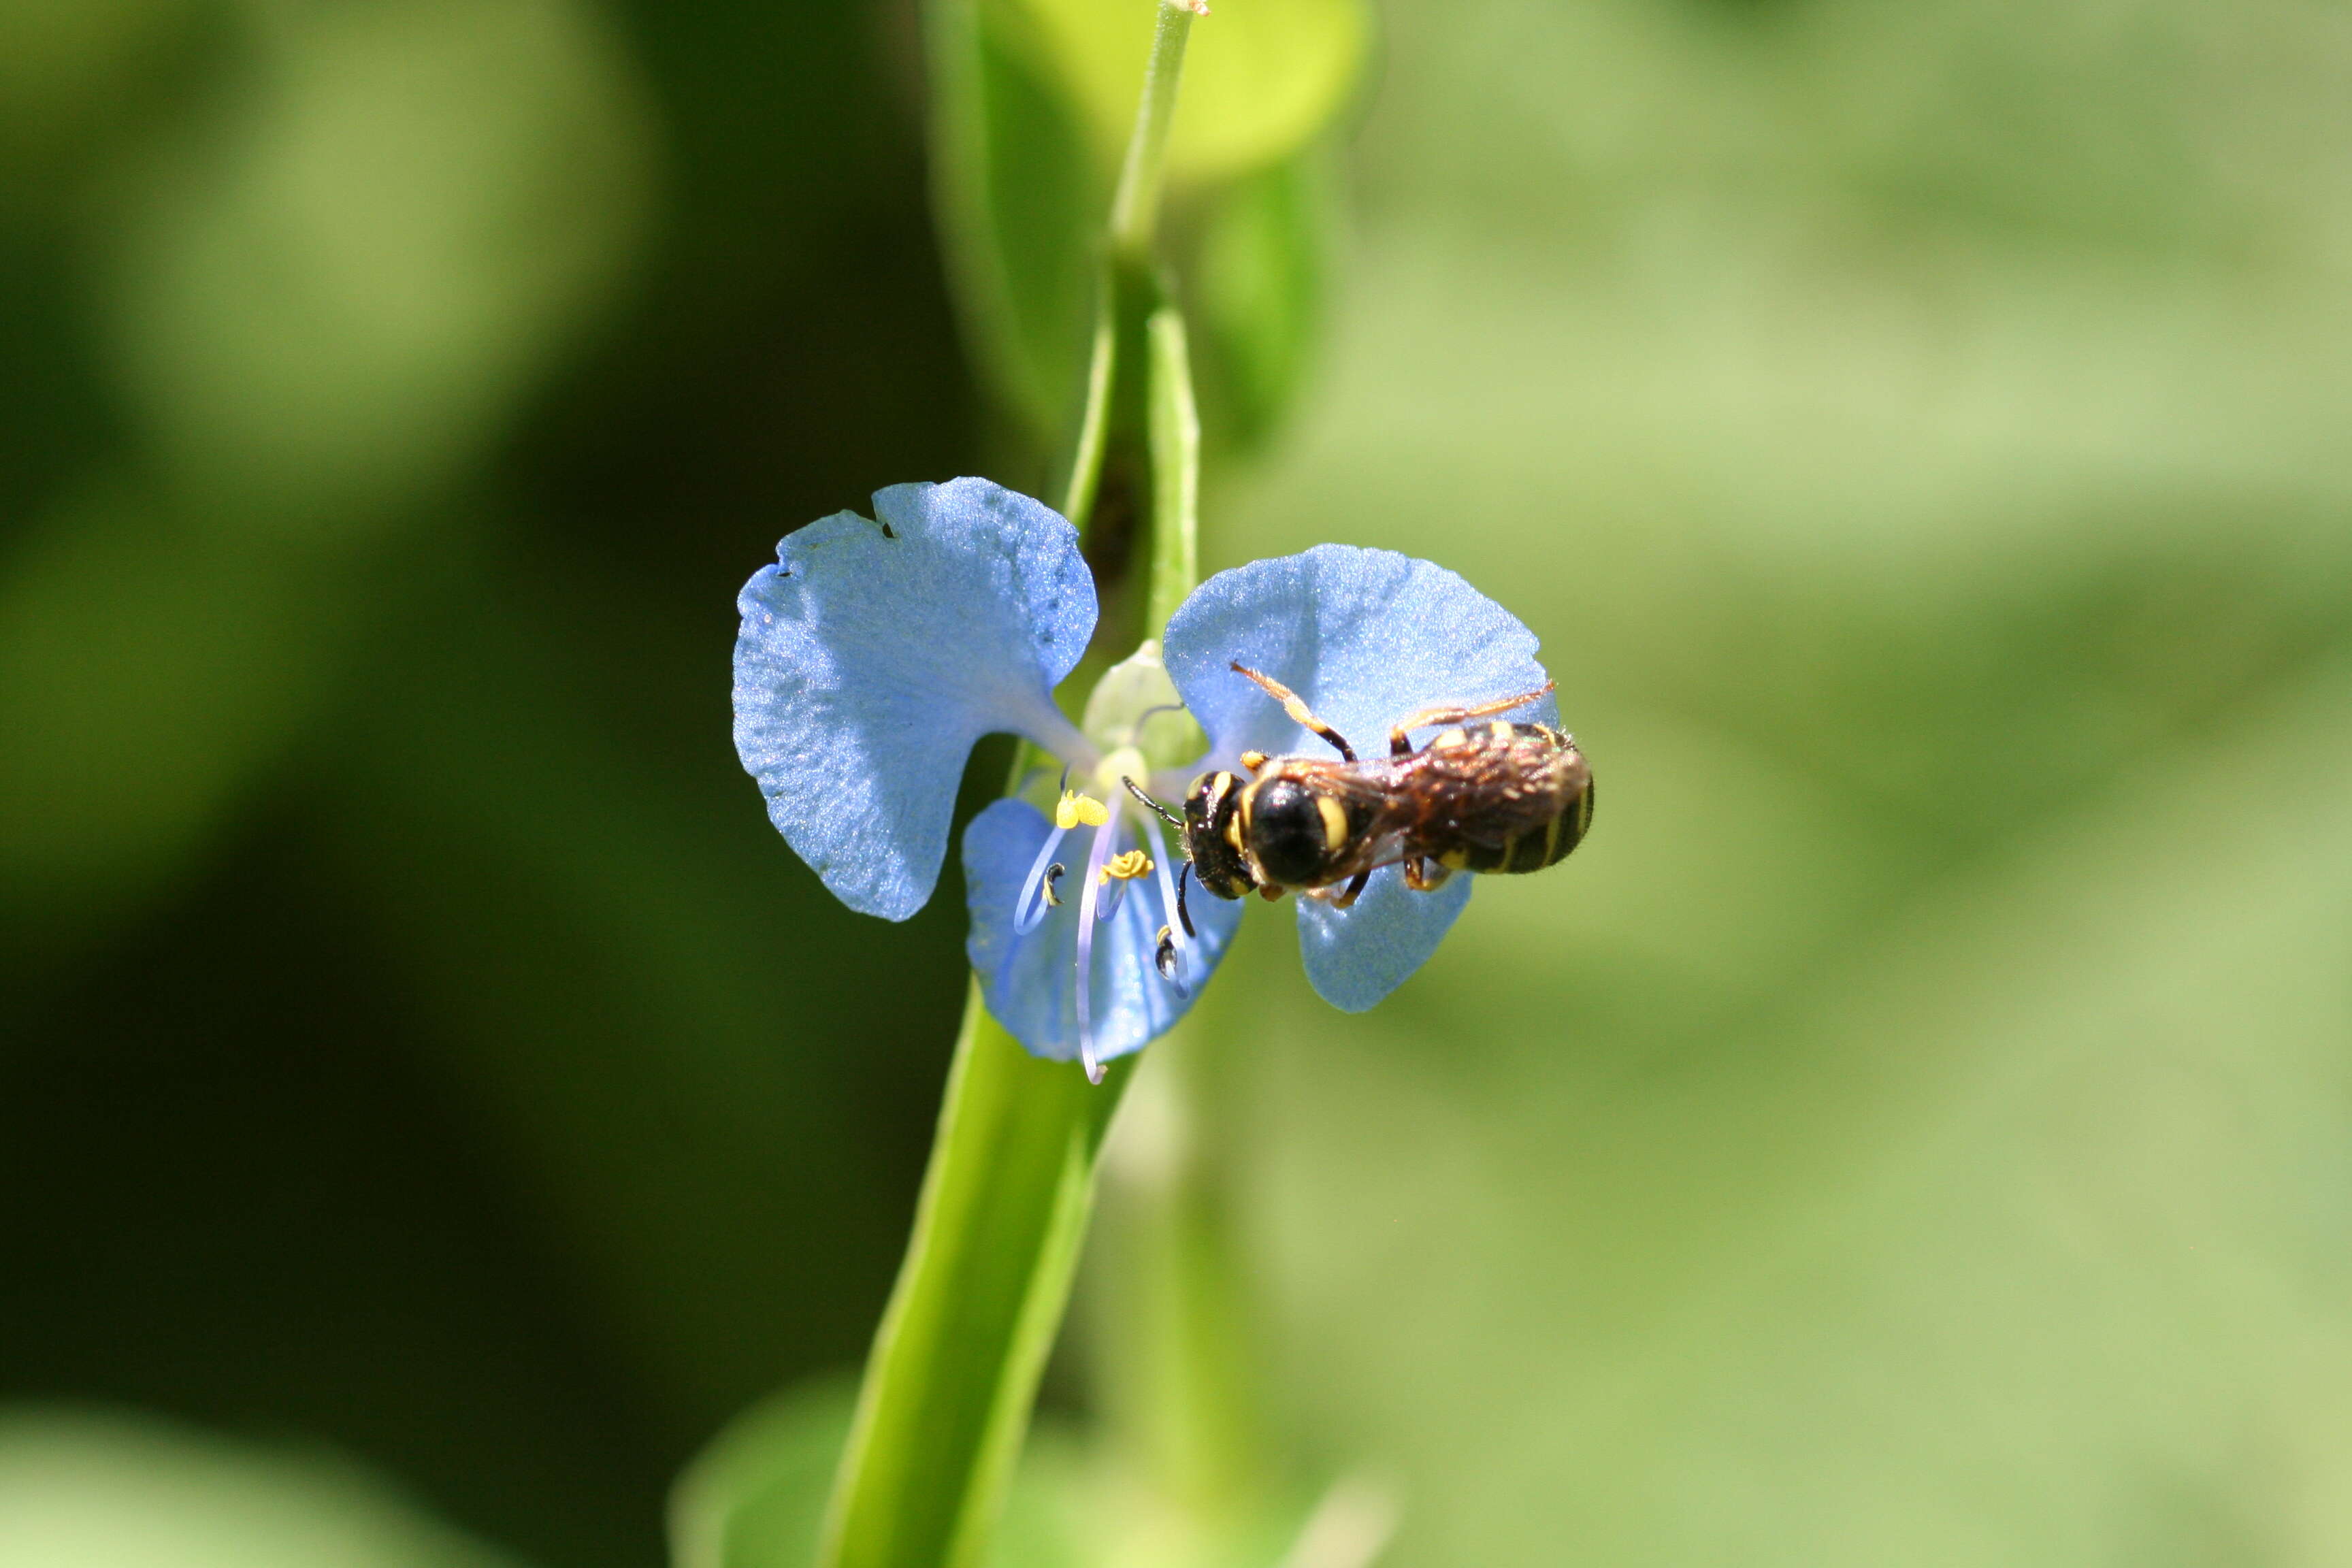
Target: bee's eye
column 1287, row 832
column 1211, row 811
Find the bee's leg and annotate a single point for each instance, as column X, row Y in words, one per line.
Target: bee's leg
column 1297, row 709
column 1425, row 876
column 1335, row 895
column 1401, row 745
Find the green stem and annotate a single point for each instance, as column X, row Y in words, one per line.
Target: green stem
column 1174, row 424
column 956, row 1361
column 1135, row 208
column 1128, row 288
column 1094, row 423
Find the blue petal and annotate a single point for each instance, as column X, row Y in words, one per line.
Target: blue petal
column 1357, row 955
column 1367, row 636
column 870, row 661
column 1031, row 982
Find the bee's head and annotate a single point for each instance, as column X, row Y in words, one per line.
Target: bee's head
column 1213, row 835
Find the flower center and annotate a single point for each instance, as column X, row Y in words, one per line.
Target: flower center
column 1126, row 762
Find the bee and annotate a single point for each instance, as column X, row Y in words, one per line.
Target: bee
column 1484, row 797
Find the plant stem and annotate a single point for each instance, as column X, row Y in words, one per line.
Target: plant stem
column 1173, row 422
column 956, row 1361
column 1129, row 289
column 1094, row 422
column 1135, row 208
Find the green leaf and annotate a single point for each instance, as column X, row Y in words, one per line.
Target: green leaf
column 1265, row 77
column 955, row 1365
column 1032, row 100
column 1020, row 198
column 755, row 1498
column 83, row 1490
column 1257, row 287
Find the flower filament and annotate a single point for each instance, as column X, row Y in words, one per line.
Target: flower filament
column 1126, row 847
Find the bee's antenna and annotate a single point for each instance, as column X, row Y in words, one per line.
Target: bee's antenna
column 1161, row 812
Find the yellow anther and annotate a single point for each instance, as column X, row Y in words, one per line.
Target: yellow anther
column 1128, row 867
column 1075, row 808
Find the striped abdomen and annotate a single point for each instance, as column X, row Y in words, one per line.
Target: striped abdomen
column 1521, row 798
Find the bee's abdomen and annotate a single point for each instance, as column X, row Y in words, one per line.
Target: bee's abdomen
column 1538, row 847
column 1480, row 856
column 1542, row 764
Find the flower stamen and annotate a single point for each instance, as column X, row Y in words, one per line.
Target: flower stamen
column 1119, row 867
column 1176, row 936
column 1171, row 962
column 1075, row 808
column 1037, row 894
column 1086, row 917
column 1125, row 867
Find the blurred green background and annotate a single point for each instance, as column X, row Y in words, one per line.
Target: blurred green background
column 1917, row 1127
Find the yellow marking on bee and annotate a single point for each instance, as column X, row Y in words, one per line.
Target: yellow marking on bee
column 1125, row 867
column 1252, row 760
column 1335, row 821
column 1249, row 799
column 1551, row 837
column 1451, row 739
column 1500, row 732
column 1455, row 859
column 1233, row 832
column 1075, row 808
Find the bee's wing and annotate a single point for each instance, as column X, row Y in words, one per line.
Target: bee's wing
column 1485, row 797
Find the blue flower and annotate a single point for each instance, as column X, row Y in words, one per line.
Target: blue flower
column 874, row 653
